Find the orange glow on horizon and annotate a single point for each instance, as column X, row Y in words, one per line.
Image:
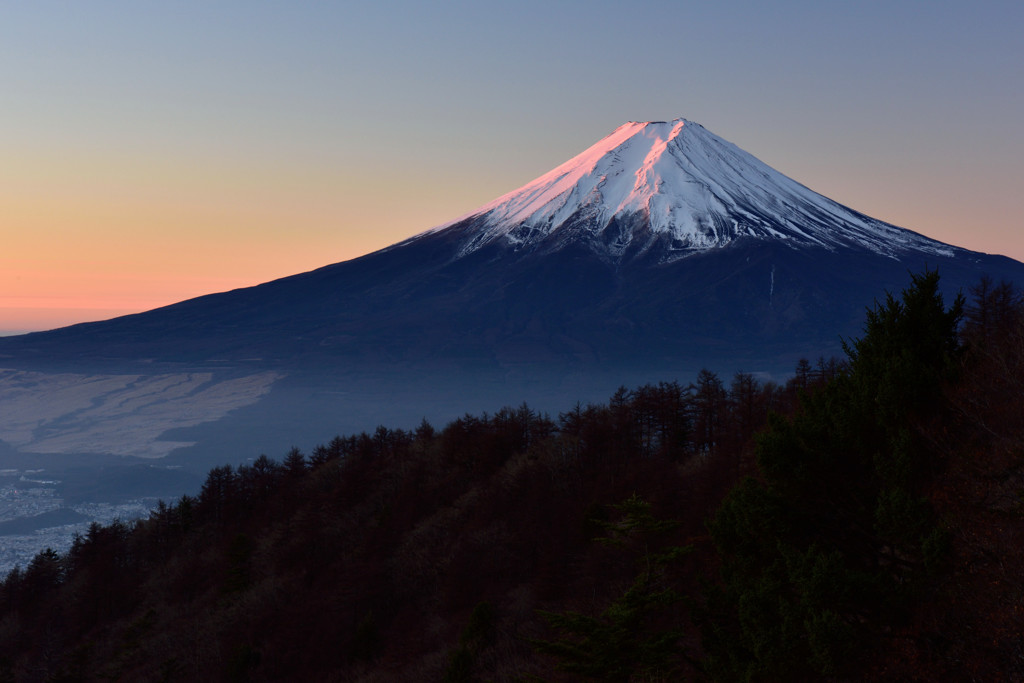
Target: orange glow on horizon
column 21, row 320
column 88, row 238
column 91, row 234
column 63, row 303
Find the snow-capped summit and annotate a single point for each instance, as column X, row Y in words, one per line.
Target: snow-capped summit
column 660, row 250
column 677, row 185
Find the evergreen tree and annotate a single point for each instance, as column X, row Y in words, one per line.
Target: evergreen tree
column 820, row 555
column 628, row 638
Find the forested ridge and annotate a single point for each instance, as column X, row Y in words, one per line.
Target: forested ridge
column 861, row 522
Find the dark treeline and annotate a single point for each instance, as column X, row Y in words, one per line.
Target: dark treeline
column 860, row 522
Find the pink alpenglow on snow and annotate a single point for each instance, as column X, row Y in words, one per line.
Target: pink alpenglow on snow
column 685, row 183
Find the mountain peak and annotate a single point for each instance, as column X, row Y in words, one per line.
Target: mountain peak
column 676, row 186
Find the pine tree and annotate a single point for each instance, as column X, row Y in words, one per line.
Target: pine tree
column 821, row 554
column 627, row 639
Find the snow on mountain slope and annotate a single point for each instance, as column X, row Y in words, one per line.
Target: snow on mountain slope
column 123, row 414
column 678, row 184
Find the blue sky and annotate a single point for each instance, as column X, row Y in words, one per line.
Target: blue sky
column 154, row 151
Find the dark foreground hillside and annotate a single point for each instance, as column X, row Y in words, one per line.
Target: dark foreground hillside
column 871, row 532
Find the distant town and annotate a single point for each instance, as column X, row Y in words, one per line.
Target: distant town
column 33, row 516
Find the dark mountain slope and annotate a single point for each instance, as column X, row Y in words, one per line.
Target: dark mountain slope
column 661, row 241
column 755, row 300
column 660, row 250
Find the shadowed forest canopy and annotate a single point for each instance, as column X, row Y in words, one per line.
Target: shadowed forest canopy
column 859, row 522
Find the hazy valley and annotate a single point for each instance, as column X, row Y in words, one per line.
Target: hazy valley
column 447, row 437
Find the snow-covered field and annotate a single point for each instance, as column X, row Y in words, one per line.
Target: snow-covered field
column 116, row 414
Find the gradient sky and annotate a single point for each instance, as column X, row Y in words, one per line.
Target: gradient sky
column 155, row 151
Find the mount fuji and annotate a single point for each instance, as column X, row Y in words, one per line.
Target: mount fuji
column 675, row 189
column 659, row 250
